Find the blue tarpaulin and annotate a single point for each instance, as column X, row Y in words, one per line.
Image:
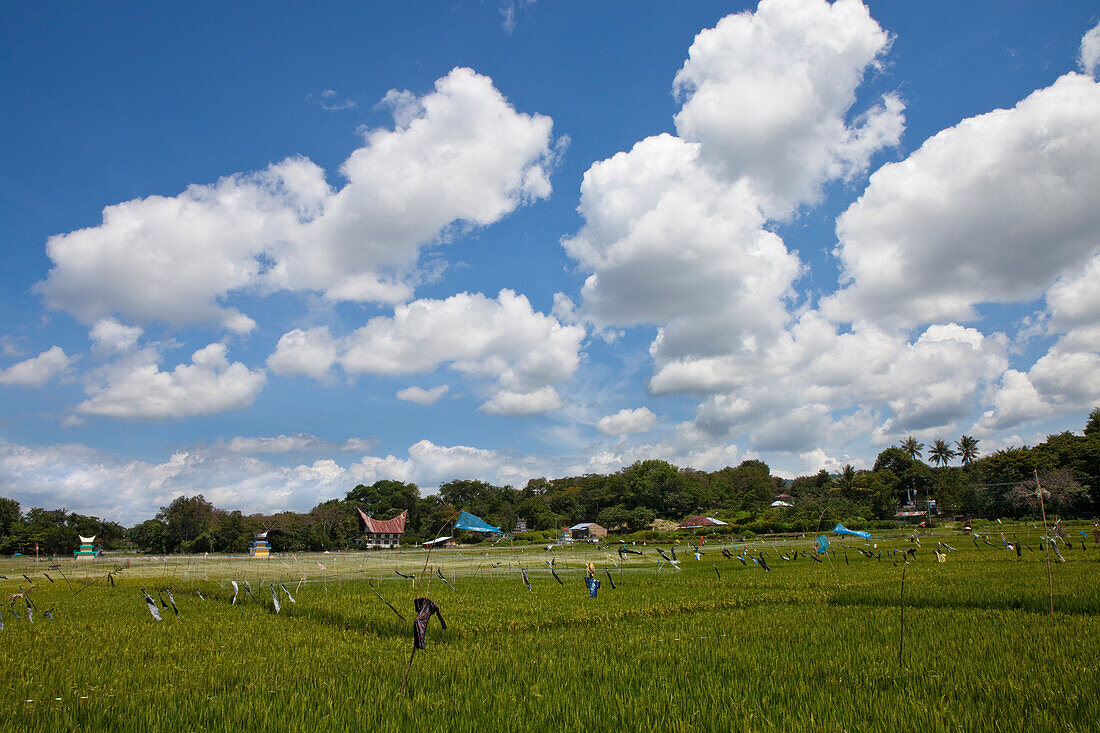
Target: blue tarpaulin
column 822, row 544
column 841, row 529
column 473, row 523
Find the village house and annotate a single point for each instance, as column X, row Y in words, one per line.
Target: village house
column 385, row 533
column 589, row 531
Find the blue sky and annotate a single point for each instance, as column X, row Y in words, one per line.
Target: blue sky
column 267, row 252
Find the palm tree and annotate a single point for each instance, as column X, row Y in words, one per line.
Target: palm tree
column 968, row 449
column 912, row 447
column 941, row 453
column 845, row 483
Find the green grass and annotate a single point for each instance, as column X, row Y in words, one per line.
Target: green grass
column 668, row 650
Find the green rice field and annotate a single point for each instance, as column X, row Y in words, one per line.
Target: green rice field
column 713, row 645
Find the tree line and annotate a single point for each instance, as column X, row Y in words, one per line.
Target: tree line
column 1001, row 484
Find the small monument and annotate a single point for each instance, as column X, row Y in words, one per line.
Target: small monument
column 259, row 546
column 86, row 551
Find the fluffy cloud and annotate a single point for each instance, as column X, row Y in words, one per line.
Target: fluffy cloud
column 627, row 421
column 88, row 481
column 1089, row 57
column 668, row 243
column 458, row 156
column 817, row 386
column 504, row 340
column 178, row 256
column 134, row 386
column 310, row 352
column 1074, row 299
column 534, row 402
column 767, row 93
column 111, row 337
column 422, row 396
column 1063, row 381
column 676, row 231
column 38, row 370
column 1067, row 378
column 991, row 210
column 429, row 464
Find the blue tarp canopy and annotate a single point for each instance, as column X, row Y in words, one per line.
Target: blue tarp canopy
column 841, row 529
column 474, row 524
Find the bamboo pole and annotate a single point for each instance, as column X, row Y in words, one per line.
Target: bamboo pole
column 1046, row 540
column 901, row 633
column 405, row 681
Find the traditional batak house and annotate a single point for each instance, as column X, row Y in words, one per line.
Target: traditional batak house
column 87, row 549
column 383, row 532
column 259, row 547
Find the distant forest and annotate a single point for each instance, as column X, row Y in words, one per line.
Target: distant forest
column 1001, row 484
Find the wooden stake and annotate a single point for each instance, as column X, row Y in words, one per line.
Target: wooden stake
column 1046, row 540
column 405, row 682
column 901, row 636
column 420, row 581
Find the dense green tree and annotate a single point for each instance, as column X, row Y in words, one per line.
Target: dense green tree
column 231, row 534
column 538, row 514
column 150, row 536
column 187, row 519
column 950, row 487
column 620, row 519
column 1092, row 427
column 10, row 515
column 385, row 498
column 913, row 477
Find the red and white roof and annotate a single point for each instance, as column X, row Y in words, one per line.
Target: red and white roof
column 377, row 526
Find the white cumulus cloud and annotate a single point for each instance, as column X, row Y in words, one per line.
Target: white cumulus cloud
column 533, row 402
column 503, row 339
column 990, row 210
column 768, row 93
column 111, row 337
column 423, row 396
column 459, row 156
column 1089, row 57
column 100, row 483
column 310, row 352
column 38, row 370
column 135, row 387
column 627, row 421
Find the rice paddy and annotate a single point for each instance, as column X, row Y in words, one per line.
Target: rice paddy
column 712, row 645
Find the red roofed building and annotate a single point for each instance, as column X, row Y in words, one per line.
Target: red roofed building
column 698, row 521
column 383, row 532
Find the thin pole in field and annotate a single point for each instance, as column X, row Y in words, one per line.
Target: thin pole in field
column 420, row 580
column 901, row 634
column 1046, row 539
column 404, row 682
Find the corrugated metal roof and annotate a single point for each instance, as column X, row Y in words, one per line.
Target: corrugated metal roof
column 698, row 520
